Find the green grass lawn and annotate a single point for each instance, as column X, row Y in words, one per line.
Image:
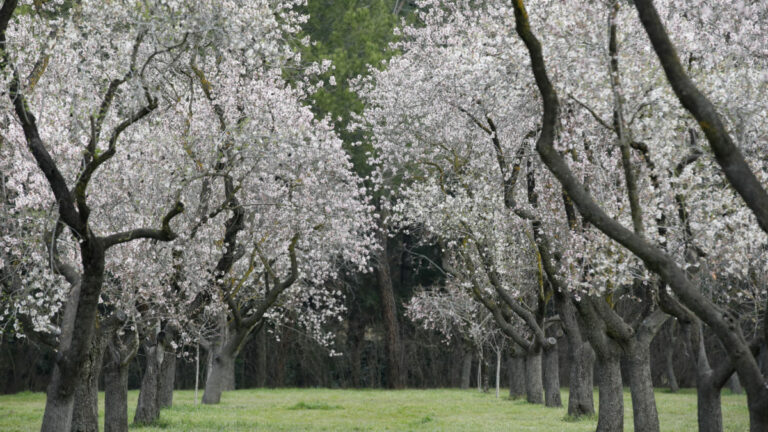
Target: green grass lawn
column 377, row 410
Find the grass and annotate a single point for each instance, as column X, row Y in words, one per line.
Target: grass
column 377, row 410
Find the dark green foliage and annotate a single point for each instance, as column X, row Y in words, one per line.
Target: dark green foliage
column 353, row 34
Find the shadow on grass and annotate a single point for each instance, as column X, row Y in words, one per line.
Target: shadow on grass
column 574, row 419
column 313, row 406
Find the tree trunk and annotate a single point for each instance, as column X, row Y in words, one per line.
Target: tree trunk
column 516, row 376
column 581, row 359
column 58, row 404
column 261, row 361
column 228, row 366
column 551, row 377
column 60, row 394
column 580, row 369
column 480, row 373
column 645, row 416
column 389, row 311
column 466, row 369
column 669, row 368
column 498, row 372
column 115, row 396
column 534, row 388
column 118, row 357
column 710, row 415
column 734, row 384
column 85, row 413
column 611, row 396
column 166, row 380
column 222, row 367
column 669, row 360
column 147, row 408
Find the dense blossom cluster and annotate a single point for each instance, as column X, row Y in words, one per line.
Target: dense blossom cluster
column 220, row 109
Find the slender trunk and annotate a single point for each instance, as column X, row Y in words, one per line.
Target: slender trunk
column 710, row 416
column 645, row 416
column 498, row 372
column 85, row 413
column 115, row 396
column 466, row 369
column 480, row 373
column 534, row 388
column 734, row 384
column 147, row 409
column 611, row 396
column 669, row 359
column 221, row 368
column 669, row 368
column 389, row 311
column 551, row 377
column 516, row 376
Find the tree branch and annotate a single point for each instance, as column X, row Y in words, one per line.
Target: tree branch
column 727, row 154
column 165, row 233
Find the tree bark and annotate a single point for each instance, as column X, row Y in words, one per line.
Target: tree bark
column 219, row 378
column 581, row 359
column 115, row 396
column 669, row 369
column 611, row 396
column 221, row 360
column 261, row 361
column 645, row 416
column 498, row 372
column 551, row 370
column 734, row 384
column 85, row 414
column 147, row 408
column 580, row 373
column 389, row 312
column 75, row 341
column 534, row 388
column 479, row 373
column 118, row 356
column 166, row 380
column 708, row 405
column 466, row 369
column 516, row 376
